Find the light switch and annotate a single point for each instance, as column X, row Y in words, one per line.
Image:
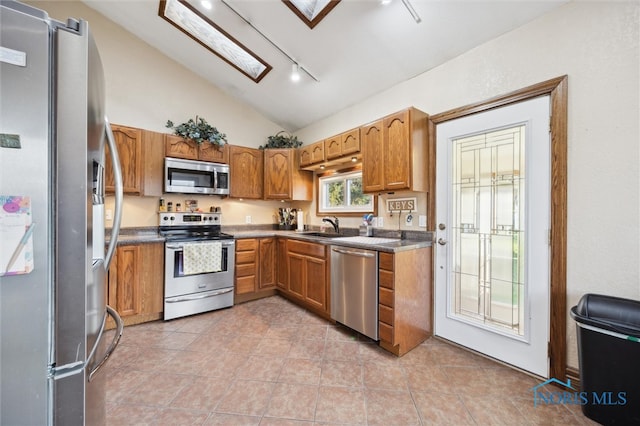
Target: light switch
column 247, row 219
column 422, row 221
column 380, row 221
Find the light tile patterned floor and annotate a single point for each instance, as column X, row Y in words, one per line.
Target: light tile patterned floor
column 270, row 362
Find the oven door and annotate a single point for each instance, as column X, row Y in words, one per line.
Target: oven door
column 177, row 283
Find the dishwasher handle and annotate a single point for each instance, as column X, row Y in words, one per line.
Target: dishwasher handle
column 353, row 253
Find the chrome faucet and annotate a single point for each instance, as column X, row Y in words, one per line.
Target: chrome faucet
column 335, row 223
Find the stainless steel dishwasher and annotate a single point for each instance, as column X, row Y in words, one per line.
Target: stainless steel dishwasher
column 354, row 289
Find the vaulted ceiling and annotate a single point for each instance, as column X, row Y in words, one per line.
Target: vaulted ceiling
column 360, row 48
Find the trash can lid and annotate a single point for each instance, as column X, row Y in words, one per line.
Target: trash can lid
column 613, row 313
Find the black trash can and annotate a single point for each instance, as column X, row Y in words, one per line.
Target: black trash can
column 608, row 331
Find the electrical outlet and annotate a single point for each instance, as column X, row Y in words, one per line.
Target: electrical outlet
column 422, row 221
column 380, row 221
column 247, row 219
column 108, row 214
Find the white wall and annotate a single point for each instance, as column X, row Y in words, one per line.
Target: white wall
column 596, row 45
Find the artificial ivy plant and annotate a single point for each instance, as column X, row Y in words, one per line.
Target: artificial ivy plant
column 282, row 139
column 199, row 131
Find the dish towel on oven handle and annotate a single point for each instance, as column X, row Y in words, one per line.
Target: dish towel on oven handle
column 198, row 258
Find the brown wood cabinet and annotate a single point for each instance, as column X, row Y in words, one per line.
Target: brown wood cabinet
column 282, row 273
column 395, row 152
column 135, row 285
column 312, row 154
column 141, row 160
column 246, row 167
column 255, row 268
column 283, row 179
column 405, row 299
column 179, row 147
column 344, row 144
column 308, row 272
column 333, row 153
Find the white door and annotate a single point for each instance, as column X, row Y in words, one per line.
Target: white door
column 493, row 221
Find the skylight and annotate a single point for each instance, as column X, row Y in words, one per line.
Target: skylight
column 197, row 26
column 311, row 11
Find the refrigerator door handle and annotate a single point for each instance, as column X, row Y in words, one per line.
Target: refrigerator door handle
column 117, row 174
column 114, row 343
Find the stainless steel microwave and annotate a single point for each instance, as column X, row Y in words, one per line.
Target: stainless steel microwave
column 195, row 177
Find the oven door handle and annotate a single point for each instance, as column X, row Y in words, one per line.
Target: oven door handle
column 180, row 247
column 198, row 296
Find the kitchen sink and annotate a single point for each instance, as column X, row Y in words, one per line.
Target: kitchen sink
column 321, row 234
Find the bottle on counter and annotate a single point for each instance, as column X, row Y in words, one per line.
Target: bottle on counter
column 178, row 207
column 169, row 206
column 161, row 206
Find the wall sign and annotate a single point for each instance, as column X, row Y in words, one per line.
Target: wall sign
column 402, row 204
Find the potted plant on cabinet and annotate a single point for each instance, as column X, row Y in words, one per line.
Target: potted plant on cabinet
column 282, row 139
column 198, row 140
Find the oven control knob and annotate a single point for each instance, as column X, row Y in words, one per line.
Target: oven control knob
column 172, row 218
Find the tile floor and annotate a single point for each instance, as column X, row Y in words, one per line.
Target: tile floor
column 270, row 362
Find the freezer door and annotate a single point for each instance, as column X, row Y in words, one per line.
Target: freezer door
column 25, row 171
column 80, row 278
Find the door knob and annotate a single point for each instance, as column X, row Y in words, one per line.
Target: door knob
column 442, row 226
column 442, row 241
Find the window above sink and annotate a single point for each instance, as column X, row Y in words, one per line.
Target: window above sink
column 340, row 194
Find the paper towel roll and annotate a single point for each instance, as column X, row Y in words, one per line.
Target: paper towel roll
column 300, row 220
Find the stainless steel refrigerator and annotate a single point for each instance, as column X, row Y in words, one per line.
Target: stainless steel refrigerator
column 53, row 261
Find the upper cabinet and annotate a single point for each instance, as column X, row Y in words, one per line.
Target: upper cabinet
column 246, row 168
column 347, row 143
column 178, row 147
column 141, row 154
column 312, row 154
column 283, row 179
column 394, row 152
column 331, row 153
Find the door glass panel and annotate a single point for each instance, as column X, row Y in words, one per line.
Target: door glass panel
column 488, row 229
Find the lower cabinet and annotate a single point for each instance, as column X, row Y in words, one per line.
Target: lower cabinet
column 255, row 268
column 282, row 273
column 307, row 275
column 135, row 285
column 405, row 299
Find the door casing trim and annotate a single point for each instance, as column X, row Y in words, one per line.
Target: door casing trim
column 557, row 89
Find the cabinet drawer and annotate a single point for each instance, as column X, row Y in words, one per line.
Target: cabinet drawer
column 245, row 257
column 386, row 297
column 385, row 261
column 385, row 314
column 309, row 249
column 246, row 244
column 245, row 284
column 385, row 332
column 245, row 270
column 386, row 279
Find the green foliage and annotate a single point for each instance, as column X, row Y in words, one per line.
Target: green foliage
column 336, row 193
column 199, row 131
column 282, row 141
column 358, row 198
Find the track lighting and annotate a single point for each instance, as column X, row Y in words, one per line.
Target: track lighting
column 295, row 72
column 412, row 11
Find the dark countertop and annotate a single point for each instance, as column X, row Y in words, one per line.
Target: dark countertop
column 402, row 245
column 130, row 236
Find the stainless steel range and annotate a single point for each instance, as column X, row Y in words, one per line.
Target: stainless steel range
column 199, row 264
